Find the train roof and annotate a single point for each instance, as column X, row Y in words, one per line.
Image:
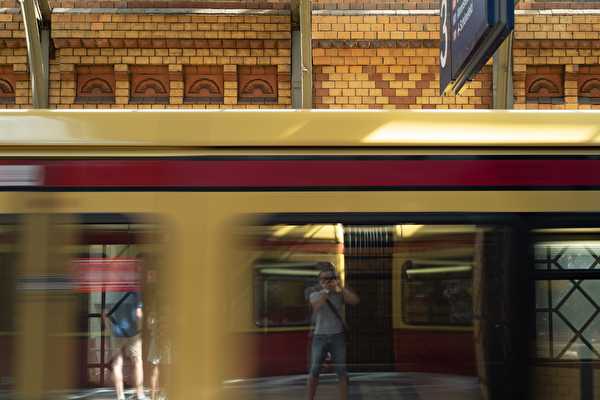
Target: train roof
column 294, row 128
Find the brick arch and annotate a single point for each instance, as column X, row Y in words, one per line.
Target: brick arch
column 8, row 84
column 6, row 88
column 258, row 87
column 205, row 87
column 590, row 87
column 543, row 87
column 96, row 86
column 149, row 87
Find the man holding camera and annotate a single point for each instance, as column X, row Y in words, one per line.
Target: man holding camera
column 329, row 330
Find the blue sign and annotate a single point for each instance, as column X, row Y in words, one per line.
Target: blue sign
column 470, row 33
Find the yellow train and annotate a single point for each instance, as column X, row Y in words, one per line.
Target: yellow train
column 473, row 239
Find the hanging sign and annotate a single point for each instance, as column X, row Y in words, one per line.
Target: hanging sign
column 470, row 33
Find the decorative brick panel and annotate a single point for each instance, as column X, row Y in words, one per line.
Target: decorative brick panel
column 375, row 4
column 8, row 84
column 203, row 84
column 257, row 84
column 149, row 84
column 95, row 84
column 588, row 84
column 389, row 78
column 545, row 83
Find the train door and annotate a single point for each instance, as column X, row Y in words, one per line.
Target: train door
column 439, row 303
column 500, row 313
column 10, row 240
column 368, row 253
column 107, row 266
column 565, row 351
column 112, row 261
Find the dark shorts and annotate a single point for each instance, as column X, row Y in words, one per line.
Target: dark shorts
column 334, row 344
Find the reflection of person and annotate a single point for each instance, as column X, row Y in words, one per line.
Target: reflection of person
column 159, row 353
column 124, row 320
column 329, row 336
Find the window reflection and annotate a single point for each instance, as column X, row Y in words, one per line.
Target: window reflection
column 567, row 309
column 415, row 315
column 437, row 295
column 280, row 293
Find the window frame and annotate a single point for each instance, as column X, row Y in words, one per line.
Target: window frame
column 258, row 286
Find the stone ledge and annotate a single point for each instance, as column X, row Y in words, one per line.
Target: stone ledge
column 118, row 43
column 553, row 11
column 356, row 13
column 560, row 11
column 373, row 44
column 556, row 44
column 178, row 11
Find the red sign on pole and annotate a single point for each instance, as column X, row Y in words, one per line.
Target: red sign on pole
column 106, row 274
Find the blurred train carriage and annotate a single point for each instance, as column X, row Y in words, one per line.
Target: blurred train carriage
column 473, row 239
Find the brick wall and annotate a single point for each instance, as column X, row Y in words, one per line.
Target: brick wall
column 554, row 61
column 241, row 59
column 380, row 61
column 167, row 45
column 14, row 79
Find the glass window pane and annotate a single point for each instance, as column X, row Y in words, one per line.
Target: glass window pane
column 576, row 256
column 559, row 290
column 280, row 293
column 412, row 317
column 542, row 334
column 95, row 303
column 541, row 294
column 561, row 336
column 116, row 268
column 566, row 249
column 438, row 296
column 592, row 333
column 571, row 314
column 577, row 309
column 94, row 340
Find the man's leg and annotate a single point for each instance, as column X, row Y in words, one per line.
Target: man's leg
column 317, row 356
column 154, row 382
column 313, row 381
column 117, row 370
column 338, row 357
column 138, row 366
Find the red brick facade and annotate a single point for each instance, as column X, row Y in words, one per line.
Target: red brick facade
column 237, row 54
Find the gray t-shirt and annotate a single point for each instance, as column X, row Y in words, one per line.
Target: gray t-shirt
column 326, row 323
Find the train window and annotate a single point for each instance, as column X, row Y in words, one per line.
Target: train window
column 280, row 293
column 566, row 262
column 437, row 294
column 402, row 294
column 116, row 275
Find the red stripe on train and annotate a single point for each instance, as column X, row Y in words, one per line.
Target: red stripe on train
column 317, row 173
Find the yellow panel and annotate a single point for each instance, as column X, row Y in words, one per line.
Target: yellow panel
column 185, row 129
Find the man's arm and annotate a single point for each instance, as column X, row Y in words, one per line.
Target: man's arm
column 349, row 296
column 317, row 299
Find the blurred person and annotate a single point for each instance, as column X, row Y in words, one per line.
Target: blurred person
column 125, row 321
column 329, row 329
column 159, row 354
